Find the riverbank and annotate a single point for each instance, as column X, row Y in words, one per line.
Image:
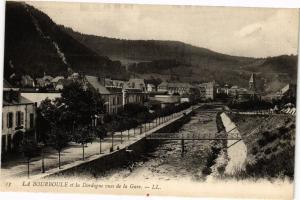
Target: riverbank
column 270, row 141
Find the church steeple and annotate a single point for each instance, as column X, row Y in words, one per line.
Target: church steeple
column 252, row 83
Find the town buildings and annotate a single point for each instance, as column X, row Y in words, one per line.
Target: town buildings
column 113, row 97
column 56, row 80
column 18, row 118
column 117, row 93
column 27, row 81
column 175, row 88
column 44, row 81
column 38, row 97
column 136, row 83
column 151, row 87
column 287, row 93
column 207, row 90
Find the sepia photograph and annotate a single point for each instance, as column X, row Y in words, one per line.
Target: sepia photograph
column 136, row 99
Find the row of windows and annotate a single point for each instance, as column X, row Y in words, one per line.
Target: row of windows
column 116, row 100
column 19, row 119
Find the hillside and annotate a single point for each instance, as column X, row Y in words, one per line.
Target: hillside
column 149, row 50
column 273, row 142
column 34, row 44
column 167, row 59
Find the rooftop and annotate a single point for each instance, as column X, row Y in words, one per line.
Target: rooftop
column 175, row 84
column 21, row 100
column 94, row 82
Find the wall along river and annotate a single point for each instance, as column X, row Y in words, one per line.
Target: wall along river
column 165, row 161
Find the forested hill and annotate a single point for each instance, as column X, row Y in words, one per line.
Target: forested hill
column 34, row 44
column 149, row 50
column 173, row 59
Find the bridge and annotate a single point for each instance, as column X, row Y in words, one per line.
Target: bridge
column 217, row 136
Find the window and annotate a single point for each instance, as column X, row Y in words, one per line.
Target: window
column 10, row 120
column 19, row 118
column 31, row 120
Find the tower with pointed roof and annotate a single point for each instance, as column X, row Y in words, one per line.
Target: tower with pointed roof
column 252, row 83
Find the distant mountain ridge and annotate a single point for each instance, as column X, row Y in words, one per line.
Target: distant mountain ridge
column 147, row 50
column 34, row 44
column 168, row 59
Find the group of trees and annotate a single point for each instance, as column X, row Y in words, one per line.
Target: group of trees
column 69, row 118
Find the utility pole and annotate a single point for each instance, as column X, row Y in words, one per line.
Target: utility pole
column 112, row 141
column 182, row 147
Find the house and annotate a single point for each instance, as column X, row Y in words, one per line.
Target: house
column 62, row 83
column 108, row 82
column 131, row 95
column 113, row 97
column 232, row 91
column 27, row 81
column 162, row 87
column 55, row 80
column 289, row 91
column 116, row 93
column 165, row 99
column 74, row 76
column 136, row 83
column 151, row 87
column 175, row 88
column 207, row 90
column 44, row 81
column 38, row 96
column 18, row 118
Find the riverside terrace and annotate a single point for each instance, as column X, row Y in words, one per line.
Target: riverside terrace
column 72, row 155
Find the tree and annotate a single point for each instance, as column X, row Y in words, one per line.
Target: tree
column 29, row 148
column 58, row 139
column 57, row 132
column 100, row 132
column 112, row 127
column 82, row 104
column 83, row 135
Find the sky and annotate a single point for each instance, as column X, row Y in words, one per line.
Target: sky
column 250, row 32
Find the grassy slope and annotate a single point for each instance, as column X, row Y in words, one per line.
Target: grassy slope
column 270, row 148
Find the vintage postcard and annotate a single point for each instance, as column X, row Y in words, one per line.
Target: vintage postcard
column 149, row 99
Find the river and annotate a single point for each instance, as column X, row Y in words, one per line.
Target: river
column 165, row 162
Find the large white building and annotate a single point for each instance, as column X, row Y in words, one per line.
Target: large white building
column 207, row 90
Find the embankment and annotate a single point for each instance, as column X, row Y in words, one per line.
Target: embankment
column 270, row 141
column 227, row 157
column 217, row 157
